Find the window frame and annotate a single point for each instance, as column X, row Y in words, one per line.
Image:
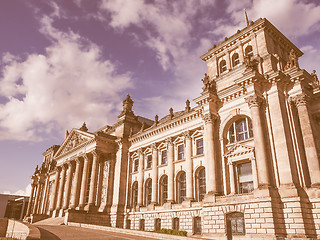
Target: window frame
column 201, row 185
column 162, row 157
column 181, row 187
column 180, row 153
column 163, row 192
column 148, row 191
column 197, row 147
column 223, row 67
column 233, row 133
column 235, row 59
column 134, row 194
column 149, row 161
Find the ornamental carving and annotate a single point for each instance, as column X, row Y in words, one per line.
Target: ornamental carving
column 254, row 101
column 74, row 141
column 186, row 135
column 293, row 60
column 209, row 85
column 169, row 141
column 209, row 117
column 300, row 100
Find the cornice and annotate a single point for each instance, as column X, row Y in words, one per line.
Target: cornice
column 162, row 127
column 234, row 39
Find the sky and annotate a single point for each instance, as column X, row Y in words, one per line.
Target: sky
column 65, row 62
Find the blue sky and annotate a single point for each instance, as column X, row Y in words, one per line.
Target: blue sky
column 65, row 62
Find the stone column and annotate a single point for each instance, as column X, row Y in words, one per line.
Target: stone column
column 36, row 201
column 210, row 153
column 228, row 61
column 241, row 55
column 66, row 199
column 61, row 188
column 232, row 180
column 254, row 172
column 54, row 190
column 100, row 182
column 140, row 178
column 75, row 188
column 33, row 185
column 93, row 180
column 154, row 174
column 189, row 166
column 254, row 103
column 308, row 138
column 83, row 190
column 170, row 157
column 45, row 195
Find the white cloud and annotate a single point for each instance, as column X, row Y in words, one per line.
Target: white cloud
column 292, row 17
column 21, row 192
column 67, row 85
column 167, row 30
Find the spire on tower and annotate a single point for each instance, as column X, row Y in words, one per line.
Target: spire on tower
column 246, row 17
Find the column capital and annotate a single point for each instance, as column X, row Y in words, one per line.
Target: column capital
column 140, row 152
column 186, row 135
column 154, row 146
column 169, row 141
column 96, row 153
column 254, row 101
column 300, row 99
column 229, row 162
column 209, row 117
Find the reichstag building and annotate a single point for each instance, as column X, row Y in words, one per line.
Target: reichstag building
column 242, row 164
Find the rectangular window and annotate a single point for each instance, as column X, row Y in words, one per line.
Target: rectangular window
column 164, row 157
column 199, row 146
column 149, row 161
column 128, row 224
column 197, row 225
column 180, row 152
column 135, row 165
column 157, row 224
column 175, row 223
column 141, row 225
column 245, row 178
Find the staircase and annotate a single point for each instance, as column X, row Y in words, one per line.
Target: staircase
column 51, row 221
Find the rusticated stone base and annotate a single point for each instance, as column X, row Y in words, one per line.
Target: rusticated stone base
column 81, row 216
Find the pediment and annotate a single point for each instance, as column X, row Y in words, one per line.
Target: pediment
column 75, row 139
column 238, row 150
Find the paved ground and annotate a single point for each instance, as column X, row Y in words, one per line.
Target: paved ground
column 48, row 232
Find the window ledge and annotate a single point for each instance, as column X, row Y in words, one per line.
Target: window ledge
column 163, row 165
column 242, row 141
column 180, row 160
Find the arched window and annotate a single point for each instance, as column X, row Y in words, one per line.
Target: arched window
column 148, row 187
column 201, row 184
column 134, row 194
column 181, row 187
column 223, row 66
column 163, row 189
column 240, row 130
column 235, row 59
column 248, row 51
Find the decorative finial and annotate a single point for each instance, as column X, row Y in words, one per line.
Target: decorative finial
column 127, row 106
column 67, row 133
column 84, row 127
column 171, row 113
column 156, row 118
column 246, row 17
column 187, row 106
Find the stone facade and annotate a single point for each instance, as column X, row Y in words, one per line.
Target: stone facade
column 242, row 164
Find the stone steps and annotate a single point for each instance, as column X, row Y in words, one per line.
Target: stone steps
column 51, row 221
